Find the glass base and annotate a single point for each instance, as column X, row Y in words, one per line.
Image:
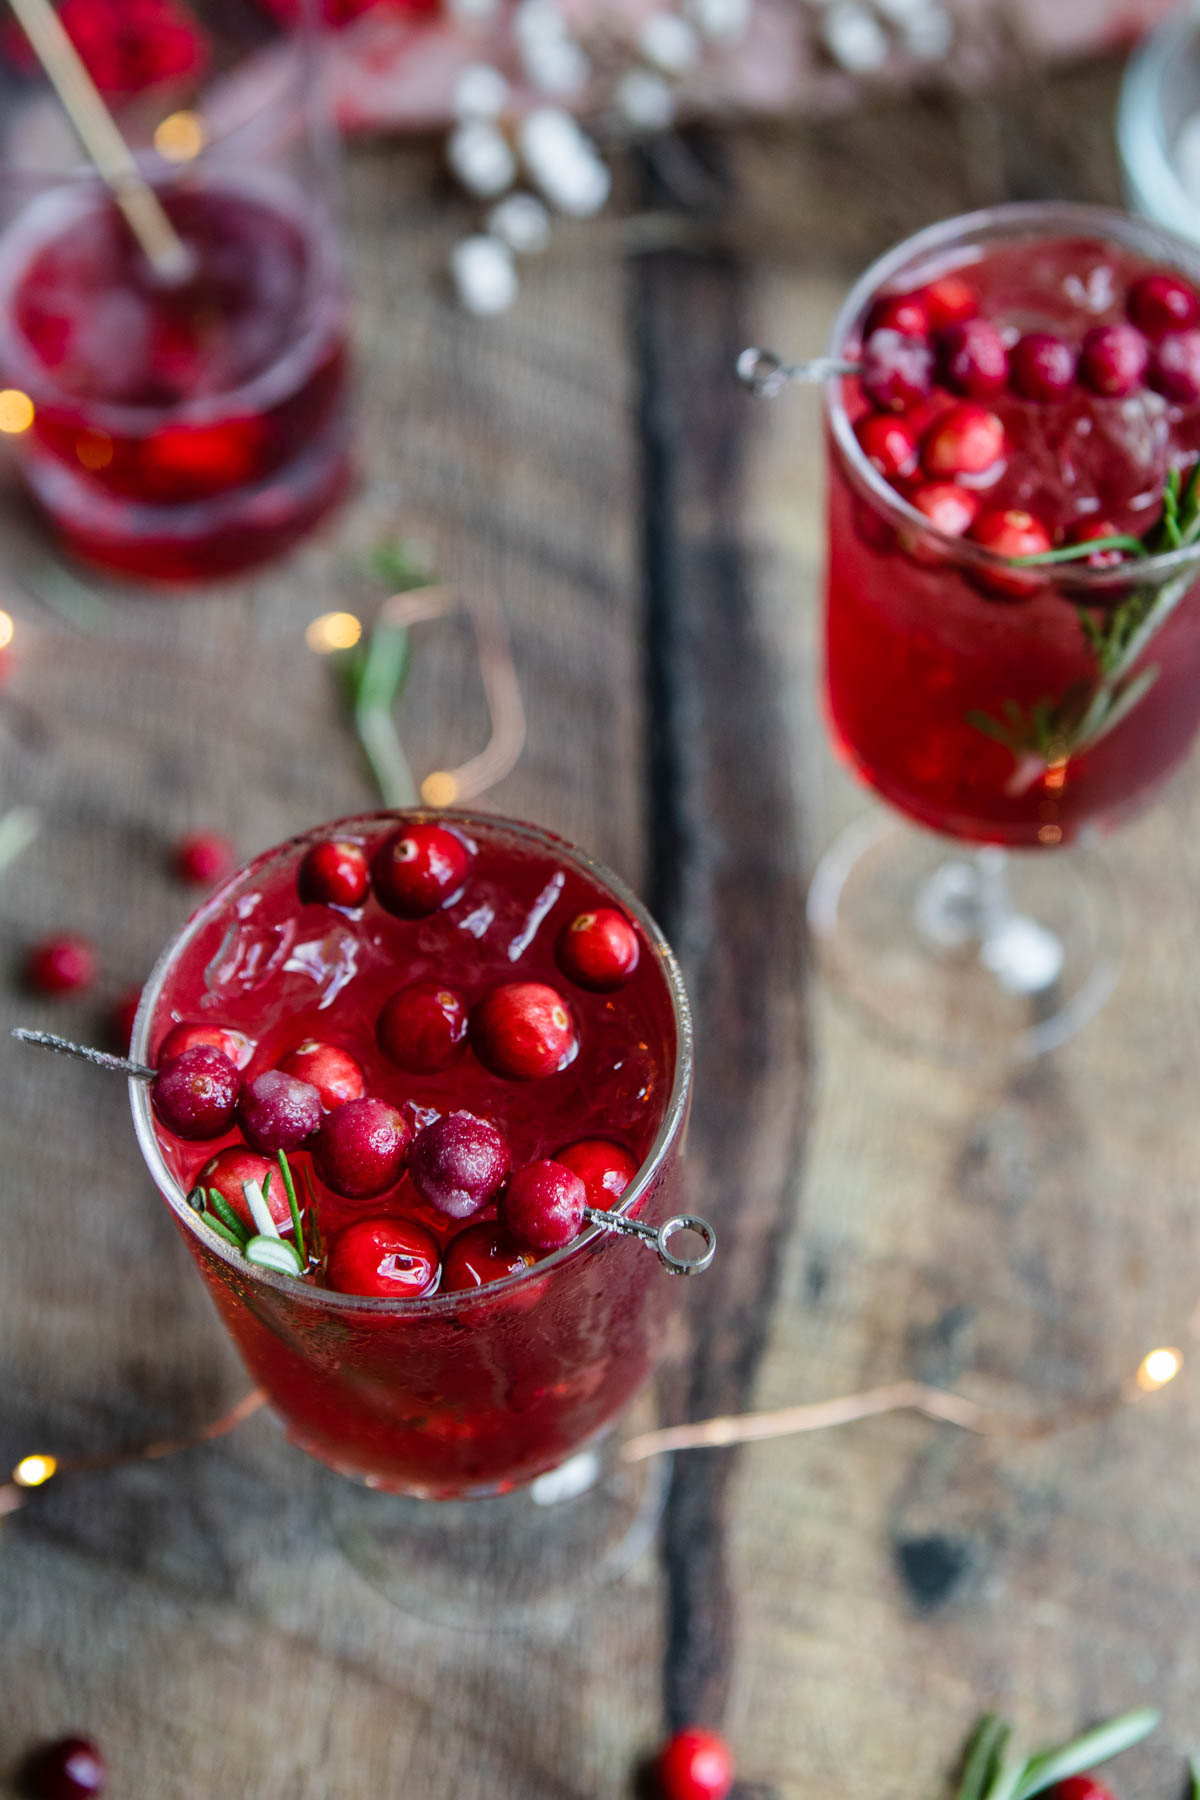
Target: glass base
column 968, row 955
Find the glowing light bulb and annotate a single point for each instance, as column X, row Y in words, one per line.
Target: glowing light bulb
column 1157, row 1368
column 180, row 137
column 439, row 789
column 16, row 411
column 333, row 631
column 32, row 1471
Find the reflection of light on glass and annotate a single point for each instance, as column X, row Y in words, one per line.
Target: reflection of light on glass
column 1159, row 1367
column 94, row 449
column 333, row 631
column 1049, row 834
column 180, row 137
column 32, row 1471
column 16, row 411
column 439, row 789
column 1056, row 775
column 6, row 630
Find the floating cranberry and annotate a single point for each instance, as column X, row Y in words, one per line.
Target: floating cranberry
column 121, row 1016
column 1160, row 303
column 195, row 1095
column 897, row 371
column 387, row 1259
column 605, row 1169
column 1010, row 533
column 695, row 1765
column 423, row 1028
column 61, row 965
column 233, row 1044
column 480, row 1254
column 598, row 949
column 70, row 1769
column 1081, row 1787
column 1175, row 367
column 1096, row 529
column 228, row 1169
column 543, row 1206
column 203, row 857
column 523, row 1030
column 950, row 301
column 967, row 440
column 278, row 1111
column 1042, row 366
column 949, row 508
column 332, row 1071
column 418, row 869
column 458, row 1164
column 889, row 443
column 334, row 873
column 1113, row 360
column 360, row 1148
column 974, row 359
column 905, row 313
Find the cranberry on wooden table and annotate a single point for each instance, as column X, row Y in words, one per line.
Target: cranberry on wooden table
column 65, row 964
column 203, row 857
column 72, row 1768
column 694, row 1765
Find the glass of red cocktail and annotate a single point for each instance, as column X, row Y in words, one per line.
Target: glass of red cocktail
column 1025, row 384
column 178, row 426
column 423, row 988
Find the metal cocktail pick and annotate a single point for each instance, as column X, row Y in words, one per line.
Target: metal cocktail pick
column 765, row 373
column 657, row 1236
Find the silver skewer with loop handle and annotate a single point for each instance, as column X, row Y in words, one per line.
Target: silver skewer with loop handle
column 765, row 373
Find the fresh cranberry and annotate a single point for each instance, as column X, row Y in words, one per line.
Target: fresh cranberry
column 360, row 1148
column 196, row 1094
column 70, row 1769
column 598, row 949
column 388, row 1259
column 889, row 443
column 1042, row 366
column 543, row 1205
column 950, row 509
column 332, row 1071
column 1081, row 1787
column 695, row 1765
column 1160, row 303
column 950, row 301
column 61, row 965
column 278, row 1111
column 228, row 1169
column 480, row 1254
column 334, row 873
column 1175, row 367
column 203, row 857
column 418, row 869
column 458, row 1164
column 973, row 359
column 233, row 1044
column 423, row 1028
column 1113, row 360
column 967, row 440
column 897, row 371
column 121, row 1016
column 605, row 1169
column 523, row 1030
column 1010, row 533
column 905, row 313
column 1090, row 533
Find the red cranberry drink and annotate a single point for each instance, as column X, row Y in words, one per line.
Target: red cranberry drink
column 459, row 1032
column 1029, row 386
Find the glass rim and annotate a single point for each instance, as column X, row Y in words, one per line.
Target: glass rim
column 1030, row 217
column 432, row 1305
column 1152, row 177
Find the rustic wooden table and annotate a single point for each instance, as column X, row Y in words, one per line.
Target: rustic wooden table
column 842, row 1604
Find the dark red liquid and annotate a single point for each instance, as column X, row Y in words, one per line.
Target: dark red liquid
column 919, row 647
column 493, row 1386
column 180, row 430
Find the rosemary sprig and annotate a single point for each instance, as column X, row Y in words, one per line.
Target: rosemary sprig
column 264, row 1246
column 990, row 1773
column 223, row 1210
column 293, row 1206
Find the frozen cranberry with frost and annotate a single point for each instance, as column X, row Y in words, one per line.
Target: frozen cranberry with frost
column 61, row 965
column 889, row 444
column 1175, row 367
column 458, row 1164
column 278, row 1111
column 360, row 1149
column 1113, row 360
column 195, row 1095
column 419, row 868
column 72, row 1768
column 203, row 857
column 523, row 1030
column 334, row 873
column 966, row 440
column 480, row 1254
column 694, row 1765
column 897, row 371
column 543, row 1206
column 228, row 1169
column 598, row 949
column 1042, row 366
column 605, row 1169
column 327, row 1067
column 233, row 1044
column 1010, row 532
column 1159, row 303
column 386, row 1259
column 973, row 359
column 423, row 1028
column 950, row 301
column 905, row 313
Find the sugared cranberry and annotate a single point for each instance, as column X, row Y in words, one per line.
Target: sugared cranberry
column 905, row 313
column 1081, row 1787
column 523, row 1030
column 889, row 443
column 121, row 1016
column 71, row 1769
column 195, row 1095
column 278, row 1111
column 605, row 1169
column 360, row 1148
column 480, row 1254
column 331, row 1070
column 1042, row 366
column 949, row 509
column 897, row 371
column 967, row 440
column 334, row 873
column 61, row 965
column 1161, row 303
column 1010, row 533
column 973, row 359
column 228, row 1169
column 1094, row 530
column 695, row 1765
column 458, row 1164
column 598, row 949
column 233, row 1044
column 543, row 1205
column 418, row 869
column 203, row 857
column 950, row 301
column 388, row 1259
column 423, row 1028
column 1113, row 360
column 1175, row 367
